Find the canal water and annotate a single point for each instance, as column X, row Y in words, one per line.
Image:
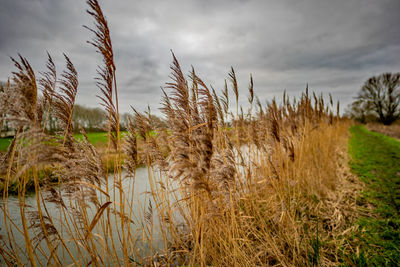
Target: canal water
column 138, row 206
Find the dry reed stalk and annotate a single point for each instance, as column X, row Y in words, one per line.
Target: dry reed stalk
column 232, row 78
column 26, row 85
column 108, row 86
column 65, row 99
column 106, row 80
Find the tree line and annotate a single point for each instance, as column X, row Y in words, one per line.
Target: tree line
column 377, row 101
column 90, row 119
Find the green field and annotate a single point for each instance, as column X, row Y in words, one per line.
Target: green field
column 376, row 160
column 95, row 138
column 4, row 143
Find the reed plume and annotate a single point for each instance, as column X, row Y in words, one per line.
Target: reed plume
column 24, row 108
column 218, row 106
column 106, row 80
column 192, row 123
column 47, row 83
column 65, row 99
column 225, row 100
column 250, row 98
column 49, row 79
column 232, row 77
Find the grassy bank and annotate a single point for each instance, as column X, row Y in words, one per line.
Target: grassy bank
column 375, row 159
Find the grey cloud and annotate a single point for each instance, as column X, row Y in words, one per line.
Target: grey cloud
column 332, row 45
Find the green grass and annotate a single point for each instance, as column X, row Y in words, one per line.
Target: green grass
column 4, row 143
column 95, row 138
column 376, row 160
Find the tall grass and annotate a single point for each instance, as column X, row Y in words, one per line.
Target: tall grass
column 227, row 189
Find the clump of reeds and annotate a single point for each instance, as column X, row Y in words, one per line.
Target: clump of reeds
column 281, row 187
column 82, row 182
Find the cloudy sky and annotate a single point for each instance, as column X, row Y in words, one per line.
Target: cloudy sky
column 334, row 46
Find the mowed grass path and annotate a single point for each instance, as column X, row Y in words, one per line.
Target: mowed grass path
column 95, row 138
column 376, row 160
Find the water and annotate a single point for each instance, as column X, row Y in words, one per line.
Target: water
column 137, row 207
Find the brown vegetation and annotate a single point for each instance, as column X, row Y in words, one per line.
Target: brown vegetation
column 392, row 130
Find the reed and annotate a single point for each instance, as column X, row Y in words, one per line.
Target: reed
column 269, row 187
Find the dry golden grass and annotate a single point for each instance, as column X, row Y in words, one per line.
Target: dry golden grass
column 392, row 130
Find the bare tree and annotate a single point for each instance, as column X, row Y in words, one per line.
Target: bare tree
column 382, row 95
column 91, row 119
column 360, row 111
